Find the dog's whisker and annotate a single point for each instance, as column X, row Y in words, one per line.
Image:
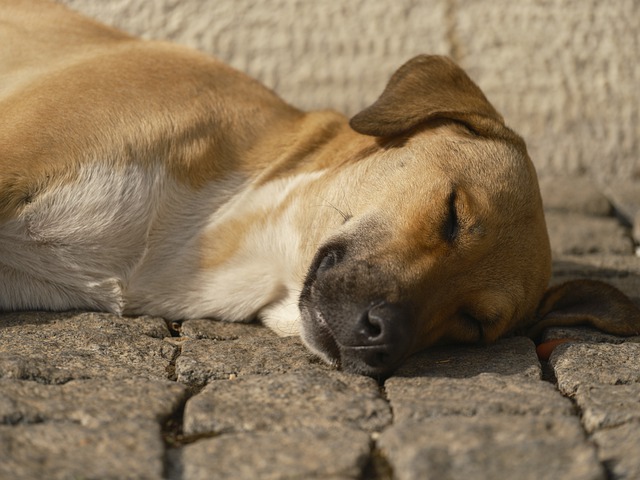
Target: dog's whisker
column 344, row 213
column 345, row 216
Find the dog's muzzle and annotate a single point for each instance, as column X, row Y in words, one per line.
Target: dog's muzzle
column 348, row 321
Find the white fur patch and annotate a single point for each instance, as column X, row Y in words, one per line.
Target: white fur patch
column 129, row 240
column 73, row 245
column 264, row 270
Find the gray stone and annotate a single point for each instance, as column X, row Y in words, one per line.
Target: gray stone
column 123, row 449
column 585, row 334
column 576, row 364
column 618, row 450
column 604, row 406
column 574, row 195
column 492, row 447
column 580, row 234
column 58, row 347
column 415, row 399
column 286, row 402
column 509, row 356
column 204, row 360
column 216, row 330
column 625, row 196
column 88, row 403
column 85, row 428
column 339, row 453
column 621, row 271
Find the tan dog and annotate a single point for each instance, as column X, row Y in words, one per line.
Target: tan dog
column 140, row 177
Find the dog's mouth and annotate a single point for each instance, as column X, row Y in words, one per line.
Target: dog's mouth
column 317, row 335
column 347, row 320
column 377, row 360
column 316, row 332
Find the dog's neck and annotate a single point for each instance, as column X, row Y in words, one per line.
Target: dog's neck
column 235, row 248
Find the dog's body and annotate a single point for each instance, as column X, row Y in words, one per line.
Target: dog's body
column 140, row 177
column 121, row 198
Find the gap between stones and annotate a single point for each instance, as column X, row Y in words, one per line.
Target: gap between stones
column 548, row 375
column 377, row 466
column 172, row 428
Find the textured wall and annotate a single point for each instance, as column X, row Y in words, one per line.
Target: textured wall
column 565, row 73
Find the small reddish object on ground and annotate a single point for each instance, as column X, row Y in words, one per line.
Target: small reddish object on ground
column 544, row 350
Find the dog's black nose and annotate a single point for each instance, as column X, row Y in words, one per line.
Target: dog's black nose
column 377, row 322
column 380, row 340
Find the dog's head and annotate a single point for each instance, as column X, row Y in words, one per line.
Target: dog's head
column 445, row 241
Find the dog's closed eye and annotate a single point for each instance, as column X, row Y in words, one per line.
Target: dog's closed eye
column 451, row 226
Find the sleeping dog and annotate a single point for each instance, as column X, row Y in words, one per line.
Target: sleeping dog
column 140, row 177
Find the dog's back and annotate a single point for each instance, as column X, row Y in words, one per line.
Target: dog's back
column 106, row 142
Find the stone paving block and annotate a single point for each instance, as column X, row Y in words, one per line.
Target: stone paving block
column 339, row 453
column 621, row 271
column 58, row 347
column 216, row 330
column 286, row 402
column 508, row 356
column 625, row 196
column 415, row 399
column 585, row 334
column 604, row 406
column 119, row 450
column 204, row 360
column 492, row 447
column 576, row 234
column 576, row 364
column 574, row 195
column 618, row 450
column 85, row 428
column 88, row 403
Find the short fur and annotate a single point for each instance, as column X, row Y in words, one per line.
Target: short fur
column 140, row 177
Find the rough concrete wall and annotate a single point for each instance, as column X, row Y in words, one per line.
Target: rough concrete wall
column 565, row 73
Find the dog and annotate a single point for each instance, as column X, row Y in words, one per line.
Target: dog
column 141, row 177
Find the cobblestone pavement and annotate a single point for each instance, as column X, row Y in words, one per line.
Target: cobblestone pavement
column 88, row 395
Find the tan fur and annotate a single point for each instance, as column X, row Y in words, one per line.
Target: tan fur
column 141, row 177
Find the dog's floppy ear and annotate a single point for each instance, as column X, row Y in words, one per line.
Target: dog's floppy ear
column 425, row 88
column 587, row 302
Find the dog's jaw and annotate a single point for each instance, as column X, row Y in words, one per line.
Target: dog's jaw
column 318, row 337
column 373, row 359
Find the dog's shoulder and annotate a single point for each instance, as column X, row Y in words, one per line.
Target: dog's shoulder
column 76, row 92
